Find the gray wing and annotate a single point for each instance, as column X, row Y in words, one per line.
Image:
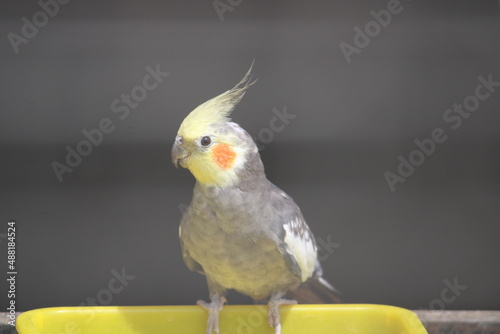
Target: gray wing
column 297, row 244
column 299, row 250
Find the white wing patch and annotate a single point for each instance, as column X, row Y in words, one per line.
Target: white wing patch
column 299, row 244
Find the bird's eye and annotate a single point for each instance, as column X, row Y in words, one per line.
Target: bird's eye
column 180, row 140
column 205, row 141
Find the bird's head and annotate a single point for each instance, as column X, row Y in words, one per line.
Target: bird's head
column 214, row 149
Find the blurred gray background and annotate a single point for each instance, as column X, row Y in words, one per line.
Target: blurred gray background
column 119, row 209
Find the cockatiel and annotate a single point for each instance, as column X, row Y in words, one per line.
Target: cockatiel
column 240, row 230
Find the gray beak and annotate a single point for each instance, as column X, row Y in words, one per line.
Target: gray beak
column 179, row 155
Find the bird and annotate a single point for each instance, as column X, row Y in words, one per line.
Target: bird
column 240, row 230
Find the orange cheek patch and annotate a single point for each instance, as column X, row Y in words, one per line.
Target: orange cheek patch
column 223, row 155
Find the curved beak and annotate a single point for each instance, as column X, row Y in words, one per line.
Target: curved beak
column 179, row 155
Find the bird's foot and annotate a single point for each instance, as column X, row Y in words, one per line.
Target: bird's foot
column 213, row 308
column 274, row 315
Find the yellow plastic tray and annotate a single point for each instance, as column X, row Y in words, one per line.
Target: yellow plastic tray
column 237, row 319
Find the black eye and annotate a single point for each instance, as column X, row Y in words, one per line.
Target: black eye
column 180, row 140
column 205, row 141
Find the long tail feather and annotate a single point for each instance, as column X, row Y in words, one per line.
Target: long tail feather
column 315, row 291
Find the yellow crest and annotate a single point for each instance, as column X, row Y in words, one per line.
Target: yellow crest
column 215, row 110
